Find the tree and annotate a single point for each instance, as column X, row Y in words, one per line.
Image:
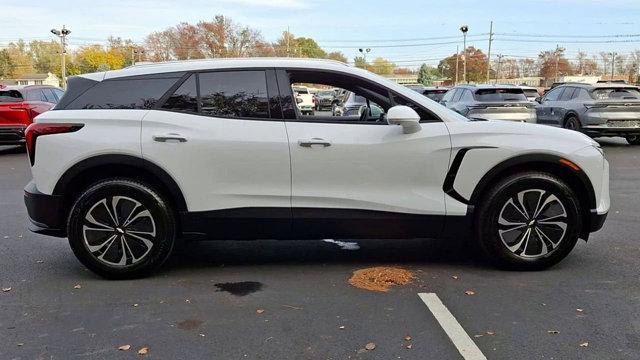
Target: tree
column 309, row 48
column 359, row 62
column 381, row 66
column 553, row 64
column 7, row 66
column 427, row 74
column 22, row 59
column 337, row 55
column 96, row 58
column 476, row 66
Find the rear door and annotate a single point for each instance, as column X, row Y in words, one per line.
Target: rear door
column 221, row 136
column 545, row 110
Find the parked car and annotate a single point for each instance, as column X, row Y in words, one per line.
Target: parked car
column 434, row 93
column 490, row 102
column 352, row 104
column 131, row 160
column 305, row 100
column 602, row 109
column 19, row 105
column 325, row 99
column 530, row 92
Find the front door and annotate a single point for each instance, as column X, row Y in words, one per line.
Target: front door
column 357, row 176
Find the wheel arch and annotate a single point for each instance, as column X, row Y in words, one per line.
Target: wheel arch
column 577, row 180
column 89, row 170
column 569, row 114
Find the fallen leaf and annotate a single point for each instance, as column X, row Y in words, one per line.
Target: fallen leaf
column 135, row 305
column 202, row 335
column 584, row 344
column 579, row 310
column 124, row 347
column 491, row 333
column 260, row 311
column 553, row 332
column 409, row 346
column 470, row 292
column 143, row 351
column 408, row 338
column 341, row 327
column 77, row 286
column 478, row 335
column 20, row 344
column 6, row 289
column 454, row 277
column 370, row 346
column 39, row 261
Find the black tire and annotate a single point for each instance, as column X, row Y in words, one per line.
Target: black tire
column 572, row 123
column 495, row 207
column 633, row 139
column 150, row 220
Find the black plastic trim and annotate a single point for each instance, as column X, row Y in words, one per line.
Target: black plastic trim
column 45, row 211
column 118, row 160
column 450, row 178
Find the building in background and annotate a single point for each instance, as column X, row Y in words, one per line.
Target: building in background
column 33, row 79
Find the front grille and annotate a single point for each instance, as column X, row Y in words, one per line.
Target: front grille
column 623, row 123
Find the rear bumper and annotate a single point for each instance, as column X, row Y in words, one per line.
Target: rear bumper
column 45, row 212
column 597, row 221
column 11, row 135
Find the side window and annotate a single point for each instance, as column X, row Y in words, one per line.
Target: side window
column 467, row 96
column 449, row 95
column 582, row 94
column 458, row 95
column 49, row 96
column 58, row 93
column 35, row 95
column 425, row 116
column 567, row 94
column 123, row 94
column 185, row 98
column 237, row 94
column 554, row 94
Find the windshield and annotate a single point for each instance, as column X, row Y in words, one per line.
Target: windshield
column 10, row 96
column 531, row 92
column 326, row 93
column 435, row 95
column 616, row 93
column 301, row 90
column 500, row 95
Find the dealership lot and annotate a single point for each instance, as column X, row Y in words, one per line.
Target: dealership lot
column 292, row 299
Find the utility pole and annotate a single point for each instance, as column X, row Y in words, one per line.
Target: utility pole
column 499, row 56
column 62, row 34
column 557, row 54
column 613, row 63
column 288, row 36
column 489, row 52
column 457, row 58
column 464, row 29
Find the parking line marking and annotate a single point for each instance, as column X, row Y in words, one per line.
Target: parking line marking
column 467, row 348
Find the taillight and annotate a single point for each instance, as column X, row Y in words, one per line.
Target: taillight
column 34, row 130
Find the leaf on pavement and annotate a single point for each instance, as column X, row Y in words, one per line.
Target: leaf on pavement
column 6, row 289
column 143, row 351
column 491, row 333
column 77, row 286
column 408, row 338
column 260, row 311
column 370, row 346
column 470, row 292
column 584, row 344
column 124, row 347
column 553, row 331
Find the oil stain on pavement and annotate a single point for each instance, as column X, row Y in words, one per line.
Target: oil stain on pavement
column 242, row 288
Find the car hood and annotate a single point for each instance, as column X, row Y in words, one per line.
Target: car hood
column 500, row 133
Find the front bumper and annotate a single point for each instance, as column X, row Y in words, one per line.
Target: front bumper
column 13, row 135
column 45, row 212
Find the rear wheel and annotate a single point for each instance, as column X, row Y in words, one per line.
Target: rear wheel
column 633, row 139
column 121, row 228
column 572, row 123
column 528, row 221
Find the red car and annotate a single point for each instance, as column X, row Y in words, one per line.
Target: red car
column 19, row 105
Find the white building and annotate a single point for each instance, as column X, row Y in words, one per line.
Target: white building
column 33, row 79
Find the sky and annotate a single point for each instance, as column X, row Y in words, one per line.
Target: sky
column 408, row 32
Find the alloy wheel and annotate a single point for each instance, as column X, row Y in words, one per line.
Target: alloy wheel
column 532, row 223
column 119, row 231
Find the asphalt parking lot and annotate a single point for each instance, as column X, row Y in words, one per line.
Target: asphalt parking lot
column 292, row 299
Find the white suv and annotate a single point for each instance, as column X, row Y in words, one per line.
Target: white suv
column 132, row 160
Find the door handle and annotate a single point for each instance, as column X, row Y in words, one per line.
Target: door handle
column 314, row 141
column 169, row 138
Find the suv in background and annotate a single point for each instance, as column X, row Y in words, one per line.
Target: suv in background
column 132, row 160
column 19, row 105
column 530, row 92
column 325, row 99
column 602, row 109
column 490, row 102
column 434, row 93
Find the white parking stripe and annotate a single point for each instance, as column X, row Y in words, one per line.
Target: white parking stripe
column 467, row 348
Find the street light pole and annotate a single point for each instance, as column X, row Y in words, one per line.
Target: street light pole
column 62, row 34
column 489, row 53
column 464, row 29
column 457, row 58
column 364, row 52
column 613, row 63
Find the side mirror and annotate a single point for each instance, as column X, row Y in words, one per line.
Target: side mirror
column 405, row 117
column 539, row 99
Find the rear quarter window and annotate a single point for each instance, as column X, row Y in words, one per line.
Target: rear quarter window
column 10, row 96
column 500, row 95
column 125, row 93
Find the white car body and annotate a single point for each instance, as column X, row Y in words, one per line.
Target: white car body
column 226, row 165
column 306, row 104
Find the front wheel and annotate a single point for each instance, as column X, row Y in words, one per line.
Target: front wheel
column 121, row 228
column 528, row 221
column 572, row 123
